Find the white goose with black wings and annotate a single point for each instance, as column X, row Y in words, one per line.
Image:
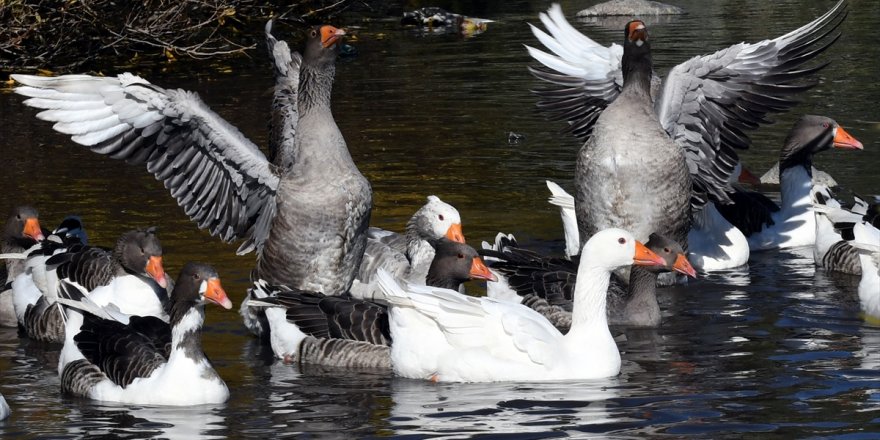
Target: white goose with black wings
column 307, row 221
column 144, row 360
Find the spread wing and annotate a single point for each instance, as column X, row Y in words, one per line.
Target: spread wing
column 220, row 178
column 708, row 102
column 586, row 76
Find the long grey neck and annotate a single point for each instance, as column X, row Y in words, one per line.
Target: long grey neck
column 315, row 87
column 589, row 303
column 641, row 307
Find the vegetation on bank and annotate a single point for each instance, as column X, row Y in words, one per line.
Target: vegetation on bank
column 71, row 35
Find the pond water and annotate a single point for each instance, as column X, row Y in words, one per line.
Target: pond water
column 778, row 349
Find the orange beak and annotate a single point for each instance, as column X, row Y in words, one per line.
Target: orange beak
column 682, row 265
column 155, row 269
column 646, row 257
column 637, row 31
column 845, row 141
column 32, row 229
column 216, row 294
column 330, row 35
column 479, row 271
column 455, row 234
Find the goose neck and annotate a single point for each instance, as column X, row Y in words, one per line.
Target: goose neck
column 315, row 89
column 589, row 303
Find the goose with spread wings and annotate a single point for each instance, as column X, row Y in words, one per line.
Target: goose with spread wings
column 670, row 143
column 306, row 213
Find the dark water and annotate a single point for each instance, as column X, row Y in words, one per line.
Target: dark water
column 779, row 350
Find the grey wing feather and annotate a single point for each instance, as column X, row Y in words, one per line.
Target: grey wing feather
column 220, row 178
column 708, row 102
column 285, row 112
column 586, row 76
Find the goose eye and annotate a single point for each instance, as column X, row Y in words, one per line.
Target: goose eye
column 314, row 33
column 441, row 217
column 460, row 255
column 621, row 240
column 825, row 124
column 195, row 276
column 666, row 250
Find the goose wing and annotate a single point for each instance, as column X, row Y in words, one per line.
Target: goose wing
column 708, row 102
column 124, row 353
column 220, row 178
column 586, row 76
column 285, row 111
column 336, row 317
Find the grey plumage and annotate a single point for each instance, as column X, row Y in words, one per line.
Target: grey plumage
column 306, row 221
column 344, row 353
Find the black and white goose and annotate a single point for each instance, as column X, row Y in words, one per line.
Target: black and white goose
column 669, row 154
column 833, row 250
column 547, row 284
column 131, row 276
column 344, row 331
column 147, row 361
column 22, row 231
column 792, row 223
column 307, row 220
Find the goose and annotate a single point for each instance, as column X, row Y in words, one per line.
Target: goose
column 22, row 231
column 547, row 284
column 834, row 250
column 406, row 255
column 791, row 224
column 307, row 220
column 131, row 275
column 311, row 327
column 146, row 361
column 863, row 235
column 486, row 340
column 665, row 154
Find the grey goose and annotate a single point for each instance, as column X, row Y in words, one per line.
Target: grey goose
column 305, row 215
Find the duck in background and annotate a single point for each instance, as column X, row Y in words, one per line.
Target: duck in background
column 21, row 232
column 131, row 275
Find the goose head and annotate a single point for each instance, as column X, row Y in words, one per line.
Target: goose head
column 636, row 63
column 613, row 248
column 322, row 45
column 140, row 253
column 455, row 263
column 199, row 283
column 813, row 134
column 672, row 254
column 23, row 226
column 437, row 219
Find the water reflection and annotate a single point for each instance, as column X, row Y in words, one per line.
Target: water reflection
column 777, row 347
column 461, row 410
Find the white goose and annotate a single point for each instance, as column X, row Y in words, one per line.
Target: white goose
column 144, row 360
column 484, row 340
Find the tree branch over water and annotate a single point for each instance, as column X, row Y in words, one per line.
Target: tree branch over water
column 68, row 35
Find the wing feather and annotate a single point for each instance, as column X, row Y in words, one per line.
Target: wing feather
column 221, row 180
